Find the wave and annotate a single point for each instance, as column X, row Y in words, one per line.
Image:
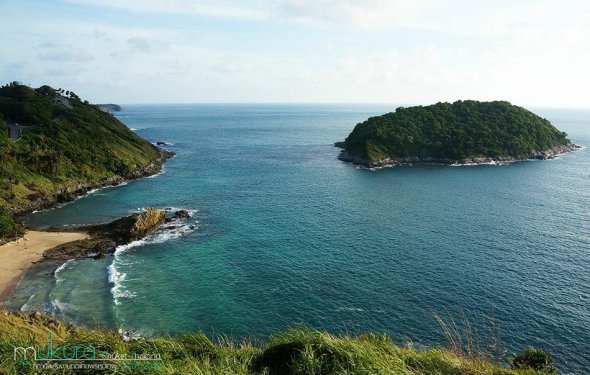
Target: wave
column 358, row 309
column 169, row 231
column 25, row 307
column 59, row 269
column 61, row 308
column 116, row 278
column 493, row 162
column 158, row 174
column 355, row 309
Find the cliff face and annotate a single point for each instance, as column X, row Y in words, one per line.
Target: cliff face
column 463, row 132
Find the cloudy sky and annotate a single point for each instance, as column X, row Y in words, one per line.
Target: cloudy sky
column 532, row 53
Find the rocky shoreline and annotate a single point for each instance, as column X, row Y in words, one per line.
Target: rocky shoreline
column 104, row 238
column 474, row 160
column 71, row 193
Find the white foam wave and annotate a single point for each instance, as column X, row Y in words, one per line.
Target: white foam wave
column 493, row 162
column 191, row 211
column 25, row 307
column 116, row 278
column 58, row 307
column 162, row 171
column 358, row 309
column 66, row 265
column 355, row 309
column 169, row 231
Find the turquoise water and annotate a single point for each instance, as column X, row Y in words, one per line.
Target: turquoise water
column 286, row 234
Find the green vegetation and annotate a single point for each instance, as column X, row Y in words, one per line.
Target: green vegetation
column 68, row 146
column 463, row 129
column 10, row 228
column 296, row 351
column 535, row 359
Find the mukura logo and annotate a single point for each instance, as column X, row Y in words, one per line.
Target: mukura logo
column 59, row 353
column 31, row 355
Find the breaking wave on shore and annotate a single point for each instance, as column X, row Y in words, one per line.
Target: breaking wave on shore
column 175, row 229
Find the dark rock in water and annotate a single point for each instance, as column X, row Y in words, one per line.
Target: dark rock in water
column 105, row 238
column 192, row 227
column 182, row 214
column 340, row 144
column 160, row 143
column 168, row 220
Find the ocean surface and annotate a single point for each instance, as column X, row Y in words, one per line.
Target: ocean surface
column 287, row 235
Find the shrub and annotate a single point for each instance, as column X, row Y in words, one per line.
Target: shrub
column 10, row 228
column 534, row 359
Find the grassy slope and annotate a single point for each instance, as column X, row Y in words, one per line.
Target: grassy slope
column 63, row 151
column 61, row 147
column 458, row 130
column 293, row 352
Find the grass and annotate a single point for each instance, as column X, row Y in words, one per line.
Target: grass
column 295, row 351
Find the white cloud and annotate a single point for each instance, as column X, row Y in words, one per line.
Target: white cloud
column 140, row 44
column 182, row 7
column 63, row 54
column 529, row 52
column 363, row 14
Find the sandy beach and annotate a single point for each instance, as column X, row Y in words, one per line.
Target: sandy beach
column 16, row 257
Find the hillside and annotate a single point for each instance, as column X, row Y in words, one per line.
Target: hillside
column 461, row 132
column 297, row 351
column 60, row 147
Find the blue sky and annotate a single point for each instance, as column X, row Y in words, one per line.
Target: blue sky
column 533, row 53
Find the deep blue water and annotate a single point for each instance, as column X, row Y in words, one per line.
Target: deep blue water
column 287, row 234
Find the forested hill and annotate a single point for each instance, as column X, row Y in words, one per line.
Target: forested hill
column 61, row 147
column 454, row 132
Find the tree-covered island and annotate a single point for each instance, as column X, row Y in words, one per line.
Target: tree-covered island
column 464, row 132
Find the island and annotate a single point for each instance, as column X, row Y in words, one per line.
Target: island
column 109, row 107
column 463, row 132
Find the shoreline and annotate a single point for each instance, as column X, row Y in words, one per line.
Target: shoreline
column 13, row 264
column 470, row 161
column 58, row 244
column 71, row 193
column 16, row 257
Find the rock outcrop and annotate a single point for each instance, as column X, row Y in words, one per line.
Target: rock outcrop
column 146, row 223
column 105, row 238
column 182, row 214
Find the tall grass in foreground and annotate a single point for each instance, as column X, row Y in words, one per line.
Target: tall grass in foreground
column 296, row 351
column 481, row 342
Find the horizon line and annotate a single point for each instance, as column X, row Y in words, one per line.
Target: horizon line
column 338, row 103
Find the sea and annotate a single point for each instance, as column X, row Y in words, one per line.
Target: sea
column 283, row 234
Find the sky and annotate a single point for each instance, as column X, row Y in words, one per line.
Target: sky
column 531, row 53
